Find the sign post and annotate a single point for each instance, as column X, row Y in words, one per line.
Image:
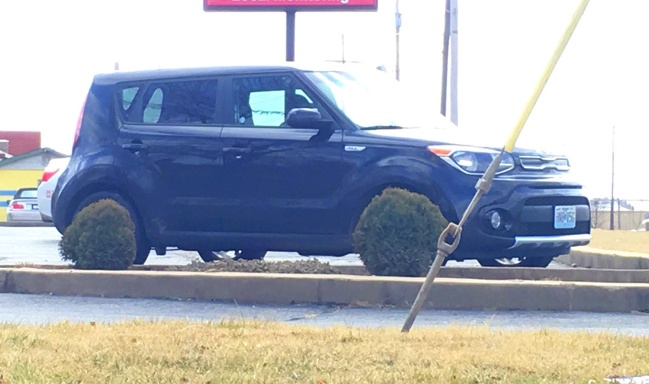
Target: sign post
column 290, row 7
column 290, row 35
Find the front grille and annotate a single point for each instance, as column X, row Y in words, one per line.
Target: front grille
column 539, row 163
column 537, row 216
column 557, row 200
column 547, row 229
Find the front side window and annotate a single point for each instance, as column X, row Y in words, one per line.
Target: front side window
column 190, row 102
column 264, row 101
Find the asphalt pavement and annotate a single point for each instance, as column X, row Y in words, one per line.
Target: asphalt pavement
column 43, row 309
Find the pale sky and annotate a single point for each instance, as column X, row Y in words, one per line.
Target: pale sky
column 51, row 49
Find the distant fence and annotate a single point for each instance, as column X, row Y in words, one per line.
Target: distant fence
column 625, row 220
column 627, row 214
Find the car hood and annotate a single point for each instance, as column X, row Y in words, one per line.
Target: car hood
column 455, row 136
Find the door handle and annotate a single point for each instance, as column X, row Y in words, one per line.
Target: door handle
column 135, row 147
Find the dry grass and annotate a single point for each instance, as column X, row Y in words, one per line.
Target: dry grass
column 263, row 352
column 629, row 241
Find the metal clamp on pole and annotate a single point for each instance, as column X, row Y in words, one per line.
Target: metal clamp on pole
column 443, row 249
column 453, row 230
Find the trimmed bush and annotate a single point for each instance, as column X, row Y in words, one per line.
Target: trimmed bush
column 101, row 236
column 397, row 233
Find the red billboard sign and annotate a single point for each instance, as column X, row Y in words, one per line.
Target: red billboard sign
column 297, row 5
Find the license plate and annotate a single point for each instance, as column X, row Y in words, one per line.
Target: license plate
column 565, row 217
column 34, row 206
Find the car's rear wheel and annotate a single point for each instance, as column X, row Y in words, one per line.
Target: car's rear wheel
column 242, row 254
column 534, row 262
column 143, row 246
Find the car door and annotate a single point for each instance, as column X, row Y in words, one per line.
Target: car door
column 172, row 150
column 280, row 179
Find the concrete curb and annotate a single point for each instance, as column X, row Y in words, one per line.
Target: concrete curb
column 285, row 289
column 540, row 274
column 588, row 257
column 4, row 288
column 25, row 224
column 479, row 273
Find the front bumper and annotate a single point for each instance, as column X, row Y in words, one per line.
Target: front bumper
column 529, row 228
column 549, row 242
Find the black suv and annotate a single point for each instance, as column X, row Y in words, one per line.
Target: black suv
column 285, row 158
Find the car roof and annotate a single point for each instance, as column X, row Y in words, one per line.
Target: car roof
column 170, row 73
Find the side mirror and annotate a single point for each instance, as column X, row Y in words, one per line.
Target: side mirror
column 306, row 118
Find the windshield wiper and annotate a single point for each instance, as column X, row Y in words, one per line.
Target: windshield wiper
column 382, row 127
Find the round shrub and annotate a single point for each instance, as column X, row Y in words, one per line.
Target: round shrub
column 397, row 233
column 101, row 236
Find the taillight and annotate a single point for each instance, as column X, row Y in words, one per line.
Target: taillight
column 47, row 174
column 50, row 170
column 16, row 205
column 76, row 133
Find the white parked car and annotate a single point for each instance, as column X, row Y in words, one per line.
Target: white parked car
column 23, row 207
column 48, row 182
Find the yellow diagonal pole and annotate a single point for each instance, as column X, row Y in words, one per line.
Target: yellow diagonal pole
column 509, row 146
column 454, row 231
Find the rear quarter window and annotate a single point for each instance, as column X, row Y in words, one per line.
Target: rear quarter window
column 127, row 95
column 188, row 102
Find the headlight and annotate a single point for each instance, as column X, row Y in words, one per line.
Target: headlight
column 472, row 160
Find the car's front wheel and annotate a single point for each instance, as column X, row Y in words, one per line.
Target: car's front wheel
column 243, row 254
column 143, row 246
column 534, row 262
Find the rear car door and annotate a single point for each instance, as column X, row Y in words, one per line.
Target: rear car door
column 279, row 179
column 170, row 136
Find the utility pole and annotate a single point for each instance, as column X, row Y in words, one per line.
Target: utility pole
column 343, row 47
column 447, row 33
column 612, row 219
column 397, row 25
column 290, row 35
column 454, row 59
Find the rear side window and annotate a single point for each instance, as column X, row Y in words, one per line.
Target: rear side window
column 174, row 102
column 153, row 107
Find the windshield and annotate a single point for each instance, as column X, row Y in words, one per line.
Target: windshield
column 372, row 99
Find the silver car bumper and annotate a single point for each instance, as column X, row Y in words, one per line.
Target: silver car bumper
column 26, row 215
column 536, row 242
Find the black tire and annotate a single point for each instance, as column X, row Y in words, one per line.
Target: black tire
column 245, row 254
column 142, row 243
column 532, row 262
column 207, row 255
